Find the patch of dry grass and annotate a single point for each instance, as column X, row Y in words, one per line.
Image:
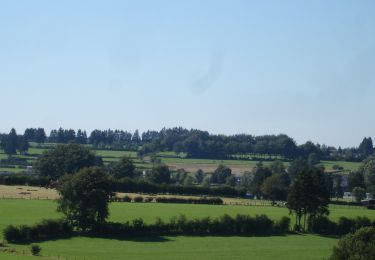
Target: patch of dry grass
column 27, row 192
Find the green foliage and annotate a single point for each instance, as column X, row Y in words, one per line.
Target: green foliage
column 368, row 170
column 199, row 176
column 366, row 147
column 296, row 167
column 44, row 230
column 313, row 159
column 9, row 143
column 65, row 159
column 84, row 198
column 138, row 199
column 130, row 185
column 275, row 187
column 246, row 180
column 212, row 201
column 357, row 246
column 123, row 168
column 160, row 174
column 231, row 181
column 325, row 226
column 309, row 195
column 260, row 173
column 220, row 175
column 224, row 225
column 359, row 194
column 35, row 249
column 277, row 167
column 356, row 179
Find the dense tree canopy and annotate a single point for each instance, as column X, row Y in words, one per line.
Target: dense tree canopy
column 12, row 142
column 366, row 147
column 65, row 159
column 84, row 198
column 159, row 174
column 123, row 168
column 221, row 174
column 276, row 186
column 201, row 144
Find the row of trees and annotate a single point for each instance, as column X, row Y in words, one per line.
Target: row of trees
column 11, row 143
column 201, row 144
column 272, row 181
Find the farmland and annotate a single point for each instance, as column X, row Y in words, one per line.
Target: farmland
column 174, row 161
column 23, row 211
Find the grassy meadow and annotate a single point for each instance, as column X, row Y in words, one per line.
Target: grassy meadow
column 183, row 247
column 23, row 211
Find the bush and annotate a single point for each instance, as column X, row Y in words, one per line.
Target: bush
column 11, row 233
column 283, row 224
column 126, row 199
column 41, row 231
column 358, row 245
column 138, row 199
column 225, row 225
column 323, row 225
column 130, row 185
column 212, row 201
column 35, row 249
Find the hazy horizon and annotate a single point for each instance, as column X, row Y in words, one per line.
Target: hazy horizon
column 304, row 69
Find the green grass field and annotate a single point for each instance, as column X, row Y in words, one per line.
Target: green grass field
column 182, row 247
column 17, row 211
column 28, row 211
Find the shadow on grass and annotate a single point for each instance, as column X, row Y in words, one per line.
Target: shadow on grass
column 144, row 238
column 133, row 238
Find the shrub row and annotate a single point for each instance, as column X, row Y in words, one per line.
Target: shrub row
column 325, row 226
column 46, row 229
column 18, row 179
column 13, row 161
column 212, row 201
column 225, row 225
column 130, row 186
column 346, row 203
column 203, row 200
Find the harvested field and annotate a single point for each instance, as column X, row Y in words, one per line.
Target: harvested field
column 27, row 192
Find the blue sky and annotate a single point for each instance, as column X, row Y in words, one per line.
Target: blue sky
column 303, row 68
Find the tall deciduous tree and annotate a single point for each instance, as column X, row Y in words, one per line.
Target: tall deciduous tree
column 309, row 195
column 84, row 198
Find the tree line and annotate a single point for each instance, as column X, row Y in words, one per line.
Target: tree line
column 194, row 143
column 272, row 181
